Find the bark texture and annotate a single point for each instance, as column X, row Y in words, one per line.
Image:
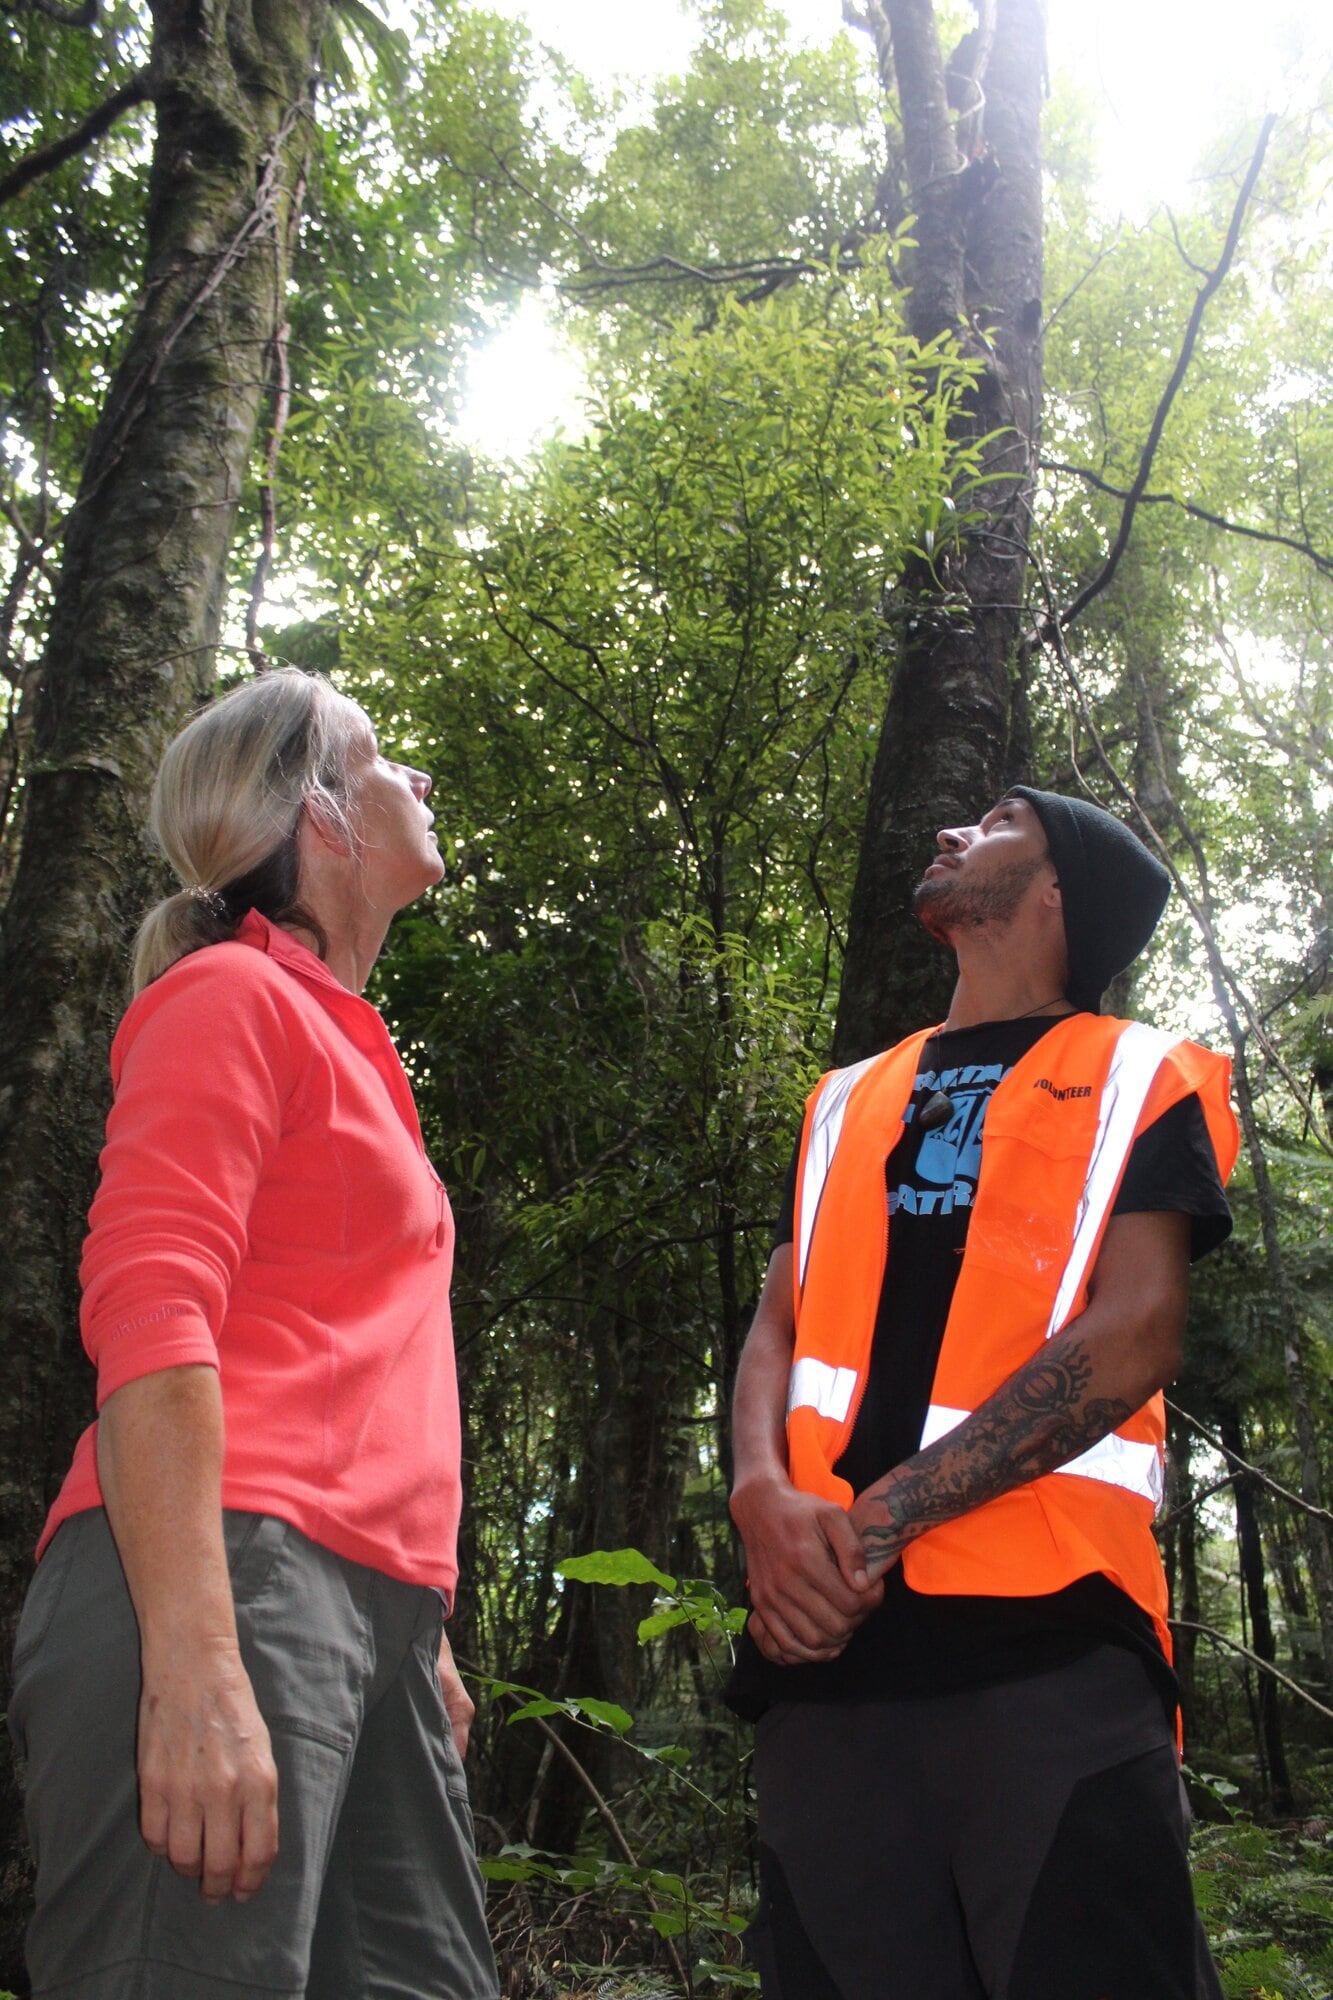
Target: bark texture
column 1266, row 1712
column 131, row 651
column 954, row 733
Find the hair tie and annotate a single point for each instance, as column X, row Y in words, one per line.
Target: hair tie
column 210, row 898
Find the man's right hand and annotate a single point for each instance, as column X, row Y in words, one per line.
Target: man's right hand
column 208, row 1788
column 808, row 1579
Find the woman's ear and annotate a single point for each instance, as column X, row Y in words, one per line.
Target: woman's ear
column 321, row 833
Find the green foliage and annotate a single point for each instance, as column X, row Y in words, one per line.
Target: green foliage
column 69, row 263
column 760, row 148
column 1265, row 1895
column 648, row 679
column 692, row 1905
column 648, row 671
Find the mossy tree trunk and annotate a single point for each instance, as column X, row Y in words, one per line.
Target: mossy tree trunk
column 954, row 732
column 134, row 627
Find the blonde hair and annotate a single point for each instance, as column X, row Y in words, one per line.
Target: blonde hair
column 227, row 803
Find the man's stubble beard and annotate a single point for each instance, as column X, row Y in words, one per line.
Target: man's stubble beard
column 946, row 906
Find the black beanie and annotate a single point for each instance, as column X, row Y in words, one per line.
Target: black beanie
column 1112, row 890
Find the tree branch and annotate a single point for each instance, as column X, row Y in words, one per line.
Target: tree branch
column 771, row 271
column 1079, row 282
column 871, row 20
column 1323, row 563
column 1202, row 299
column 258, row 218
column 969, row 63
column 1227, row 986
column 34, row 550
column 1256, row 1472
column 608, row 1819
column 1264, row 1666
column 282, row 403
column 928, row 130
column 45, row 159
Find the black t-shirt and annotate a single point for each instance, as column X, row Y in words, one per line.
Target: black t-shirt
column 916, row 1643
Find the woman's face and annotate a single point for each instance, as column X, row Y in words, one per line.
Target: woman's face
column 398, row 854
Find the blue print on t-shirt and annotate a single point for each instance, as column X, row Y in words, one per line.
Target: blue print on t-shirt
column 948, row 1159
column 952, row 1152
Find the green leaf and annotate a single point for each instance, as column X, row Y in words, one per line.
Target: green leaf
column 540, row 1705
column 608, row 1713
column 662, row 1621
column 665, row 1753
column 619, row 1566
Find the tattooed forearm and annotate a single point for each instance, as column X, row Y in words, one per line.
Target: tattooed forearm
column 1104, row 1365
column 1042, row 1417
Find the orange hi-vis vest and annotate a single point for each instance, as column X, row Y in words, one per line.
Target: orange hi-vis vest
column 1054, row 1146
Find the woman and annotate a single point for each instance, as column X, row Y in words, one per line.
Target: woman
column 232, row 1687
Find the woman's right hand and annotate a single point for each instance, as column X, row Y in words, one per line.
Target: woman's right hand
column 208, row 1786
column 208, row 1790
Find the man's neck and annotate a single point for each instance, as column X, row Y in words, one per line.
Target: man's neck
column 1004, row 986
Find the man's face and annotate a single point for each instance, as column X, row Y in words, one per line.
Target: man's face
column 983, row 873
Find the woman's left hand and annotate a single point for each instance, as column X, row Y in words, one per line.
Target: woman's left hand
column 458, row 1703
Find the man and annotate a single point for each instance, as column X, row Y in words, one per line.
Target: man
column 948, row 1440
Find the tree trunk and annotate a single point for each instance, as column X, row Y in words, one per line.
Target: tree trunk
column 1255, row 1585
column 131, row 651
column 1183, row 1572
column 954, row 735
column 1304, row 1659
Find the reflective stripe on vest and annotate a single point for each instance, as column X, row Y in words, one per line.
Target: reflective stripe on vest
column 1117, row 1461
column 825, row 1130
column 813, row 1385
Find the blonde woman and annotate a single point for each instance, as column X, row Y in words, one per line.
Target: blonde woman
column 240, row 1717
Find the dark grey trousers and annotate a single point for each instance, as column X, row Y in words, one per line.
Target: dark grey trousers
column 1019, row 1842
column 375, row 1894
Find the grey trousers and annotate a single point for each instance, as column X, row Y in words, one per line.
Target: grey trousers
column 375, row 1894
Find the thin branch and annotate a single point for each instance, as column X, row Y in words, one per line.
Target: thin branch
column 268, row 510
column 282, row 403
column 1264, row 1666
column 608, row 1819
column 47, row 158
column 1199, row 270
column 28, row 542
column 258, row 218
column 1195, row 1501
column 1201, row 302
column 770, row 271
column 599, row 274
column 1323, row 563
column 871, row 20
column 1256, row 1472
column 1080, row 282
column 1309, row 743
column 968, row 130
column 1050, row 632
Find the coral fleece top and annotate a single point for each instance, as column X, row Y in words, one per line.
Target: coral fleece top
column 266, row 1208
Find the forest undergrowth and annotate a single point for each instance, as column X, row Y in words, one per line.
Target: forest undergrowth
column 598, row 1925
